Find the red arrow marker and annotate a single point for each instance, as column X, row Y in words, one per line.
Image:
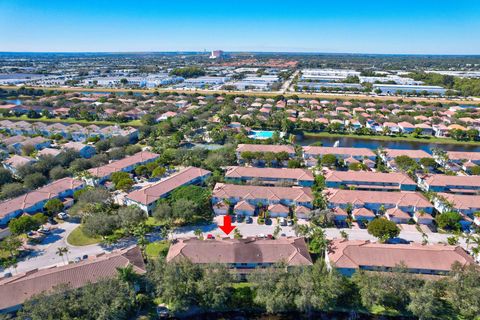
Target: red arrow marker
column 227, row 224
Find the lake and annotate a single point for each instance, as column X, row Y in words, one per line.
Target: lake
column 375, row 144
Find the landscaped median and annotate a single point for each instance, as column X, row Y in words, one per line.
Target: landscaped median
column 78, row 238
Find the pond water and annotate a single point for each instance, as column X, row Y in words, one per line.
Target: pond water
column 375, row 144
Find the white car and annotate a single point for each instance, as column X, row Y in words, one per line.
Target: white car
column 62, row 215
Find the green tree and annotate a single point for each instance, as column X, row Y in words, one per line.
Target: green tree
column 22, row 224
column 130, row 217
column 427, row 302
column 329, row 160
column 125, row 184
column 463, row 292
column 214, row 290
column 383, row 229
column 449, row 220
column 163, row 211
column 34, row 180
column 54, row 206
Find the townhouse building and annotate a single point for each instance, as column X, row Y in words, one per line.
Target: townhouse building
column 146, row 198
column 242, row 255
column 412, row 203
column 349, row 256
column 261, row 149
column 449, row 184
column 23, row 286
column 34, row 201
column 15, row 162
column 312, row 153
column 100, row 174
column 367, row 180
column 245, row 198
column 270, row 176
column 84, row 150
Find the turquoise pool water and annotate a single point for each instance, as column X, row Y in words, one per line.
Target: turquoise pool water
column 254, row 134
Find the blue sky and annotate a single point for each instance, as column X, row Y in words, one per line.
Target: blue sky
column 421, row 26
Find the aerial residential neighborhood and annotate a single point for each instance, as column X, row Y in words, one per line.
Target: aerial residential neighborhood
column 239, row 160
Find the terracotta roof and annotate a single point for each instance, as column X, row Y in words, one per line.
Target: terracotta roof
column 278, row 207
column 15, row 290
column 47, row 192
column 77, row 146
column 357, row 152
column 244, row 206
column 118, row 165
column 397, row 213
column 446, row 180
column 265, row 148
column 154, row 192
column 363, row 212
column 280, row 173
column 461, row 155
column 360, row 253
column 292, row 251
column 461, row 201
column 402, row 198
column 414, row 154
column 245, row 192
column 17, row 161
column 368, row 177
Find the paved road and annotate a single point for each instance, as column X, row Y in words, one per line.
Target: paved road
column 45, row 253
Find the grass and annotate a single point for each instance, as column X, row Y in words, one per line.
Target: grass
column 422, row 139
column 133, row 123
column 157, row 249
column 152, row 222
column 78, row 238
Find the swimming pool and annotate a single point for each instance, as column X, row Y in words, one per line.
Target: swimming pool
column 260, row 134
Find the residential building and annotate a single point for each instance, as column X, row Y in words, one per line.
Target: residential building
column 101, row 174
column 349, row 256
column 23, row 286
column 450, row 184
column 242, row 255
column 270, row 176
column 15, row 162
column 254, row 195
column 146, row 198
column 312, row 153
column 85, row 150
column 467, row 205
column 367, row 180
column 34, row 201
column 407, row 201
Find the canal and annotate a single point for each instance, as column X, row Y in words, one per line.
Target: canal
column 375, row 144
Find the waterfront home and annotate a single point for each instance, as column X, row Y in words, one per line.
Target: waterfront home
column 270, row 176
column 390, row 154
column 449, row 184
column 14, row 162
column 84, row 150
column 147, row 197
column 17, row 289
column 312, row 153
column 242, row 255
column 406, row 127
column 427, row 130
column 34, row 201
column 391, row 127
column 366, row 180
column 349, row 256
column 407, row 201
column 462, row 157
column 100, row 174
column 263, row 195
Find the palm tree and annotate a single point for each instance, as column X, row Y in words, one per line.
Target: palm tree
column 198, row 233
column 61, row 251
column 126, row 274
column 344, row 234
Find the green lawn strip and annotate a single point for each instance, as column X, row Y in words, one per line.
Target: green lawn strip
column 424, row 139
column 157, row 248
column 78, row 238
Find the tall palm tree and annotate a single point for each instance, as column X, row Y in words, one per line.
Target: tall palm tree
column 61, row 251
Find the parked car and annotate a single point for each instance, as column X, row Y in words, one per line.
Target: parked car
column 162, row 311
column 239, row 218
column 269, row 236
column 283, row 222
column 52, row 221
column 77, row 259
column 85, row 257
column 210, row 236
column 290, row 222
column 261, row 236
column 248, row 219
column 44, row 230
column 62, row 215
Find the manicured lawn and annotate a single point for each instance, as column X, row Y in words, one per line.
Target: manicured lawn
column 78, row 238
column 156, row 249
column 391, row 138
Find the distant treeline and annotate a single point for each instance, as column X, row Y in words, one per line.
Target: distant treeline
column 462, row 86
column 188, row 72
